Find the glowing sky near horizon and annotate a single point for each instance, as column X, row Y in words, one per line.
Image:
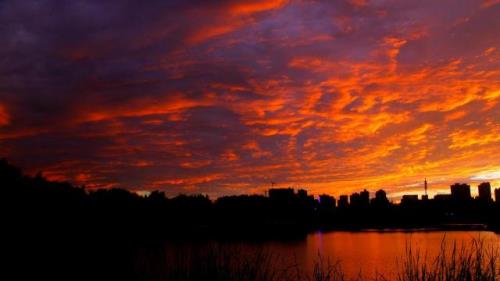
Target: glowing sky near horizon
column 224, row 97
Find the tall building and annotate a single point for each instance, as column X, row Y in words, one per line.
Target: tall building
column 460, row 191
column 408, row 199
column 381, row 195
column 302, row 193
column 484, row 190
column 497, row 195
column 364, row 196
column 343, row 201
column 354, row 199
column 380, row 199
column 326, row 201
column 442, row 197
column 281, row 194
column 361, row 199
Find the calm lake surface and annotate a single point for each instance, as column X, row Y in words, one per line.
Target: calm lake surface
column 367, row 252
column 376, row 252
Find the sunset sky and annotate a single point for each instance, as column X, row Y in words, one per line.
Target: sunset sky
column 225, row 97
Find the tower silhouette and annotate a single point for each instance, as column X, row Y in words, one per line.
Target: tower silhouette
column 425, row 186
column 425, row 196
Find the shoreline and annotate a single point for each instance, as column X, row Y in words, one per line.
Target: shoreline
column 443, row 227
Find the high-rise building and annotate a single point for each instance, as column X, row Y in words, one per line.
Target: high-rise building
column 343, row 201
column 381, row 195
column 364, row 197
column 354, row 200
column 442, row 197
column 484, row 190
column 302, row 193
column 281, row 194
column 460, row 191
column 497, row 195
column 360, row 200
column 326, row 202
column 380, row 199
column 408, row 199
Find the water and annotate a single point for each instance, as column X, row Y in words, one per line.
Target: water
column 367, row 253
column 371, row 253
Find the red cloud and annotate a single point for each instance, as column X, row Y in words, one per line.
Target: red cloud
column 4, row 116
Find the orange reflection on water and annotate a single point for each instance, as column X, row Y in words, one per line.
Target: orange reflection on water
column 371, row 253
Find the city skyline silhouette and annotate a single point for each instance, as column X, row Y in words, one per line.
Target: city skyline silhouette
column 280, row 207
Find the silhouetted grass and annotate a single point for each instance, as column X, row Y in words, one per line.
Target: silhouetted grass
column 226, row 263
column 474, row 262
column 221, row 263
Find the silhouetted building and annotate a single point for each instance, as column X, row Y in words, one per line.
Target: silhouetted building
column 497, row 195
column 484, row 190
column 304, row 198
column 326, row 201
column 354, row 200
column 343, row 201
column 442, row 197
column 380, row 199
column 281, row 194
column 361, row 199
column 380, row 195
column 365, row 197
column 425, row 197
column 460, row 191
column 302, row 194
column 409, row 199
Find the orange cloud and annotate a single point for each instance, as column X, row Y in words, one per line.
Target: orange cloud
column 209, row 32
column 189, row 181
column 455, row 115
column 394, row 46
column 195, row 164
column 419, row 135
column 232, row 19
column 230, row 155
column 251, row 7
column 474, row 137
column 170, row 104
